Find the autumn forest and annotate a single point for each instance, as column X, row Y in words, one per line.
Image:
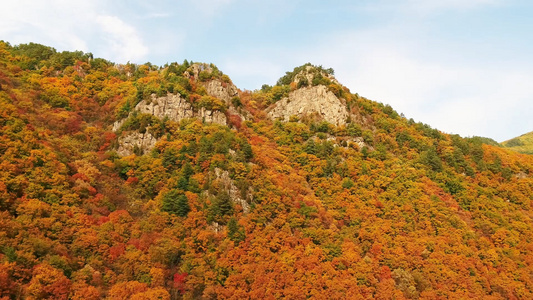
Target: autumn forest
column 106, row 193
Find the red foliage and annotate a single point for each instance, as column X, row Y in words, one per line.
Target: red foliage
column 80, row 176
column 96, row 199
column 132, row 180
column 256, row 140
column 194, row 98
column 206, row 164
column 235, row 121
column 109, row 137
column 179, row 282
column 384, row 273
column 379, row 204
column 117, row 250
column 120, row 216
column 376, row 249
column 102, row 220
column 92, row 191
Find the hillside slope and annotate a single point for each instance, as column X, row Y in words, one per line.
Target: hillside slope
column 522, row 144
column 259, row 206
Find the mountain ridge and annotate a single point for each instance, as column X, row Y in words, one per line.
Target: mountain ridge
column 266, row 206
column 522, row 143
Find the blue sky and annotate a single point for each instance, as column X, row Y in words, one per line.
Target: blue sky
column 461, row 66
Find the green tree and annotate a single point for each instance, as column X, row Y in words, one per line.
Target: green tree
column 247, row 150
column 432, row 159
column 176, row 203
column 235, row 231
column 221, row 207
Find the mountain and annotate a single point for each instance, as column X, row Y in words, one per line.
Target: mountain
column 168, row 182
column 522, row 144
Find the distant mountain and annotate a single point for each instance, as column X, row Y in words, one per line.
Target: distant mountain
column 168, row 182
column 522, row 144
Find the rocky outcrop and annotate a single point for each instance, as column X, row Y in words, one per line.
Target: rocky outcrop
column 219, row 86
column 211, row 116
column 135, row 142
column 176, row 109
column 359, row 141
column 221, row 90
column 194, row 70
column 170, row 106
column 233, row 191
column 345, row 141
column 520, row 175
column 310, row 73
column 315, row 100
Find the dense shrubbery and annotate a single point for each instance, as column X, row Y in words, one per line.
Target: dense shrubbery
column 415, row 213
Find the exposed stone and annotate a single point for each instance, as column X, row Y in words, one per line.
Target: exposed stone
column 359, row 141
column 345, row 141
column 233, row 191
column 309, row 75
column 520, row 175
column 134, row 139
column 170, row 106
column 195, row 69
column 211, row 116
column 221, row 90
column 118, row 124
column 316, row 100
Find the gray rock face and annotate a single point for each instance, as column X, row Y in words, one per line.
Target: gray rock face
column 176, row 109
column 211, row 116
column 221, row 90
column 232, row 190
column 171, row 106
column 308, row 76
column 195, row 70
column 134, row 139
column 316, row 100
column 360, row 142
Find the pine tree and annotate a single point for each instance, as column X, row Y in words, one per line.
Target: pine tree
column 182, row 206
column 235, row 232
column 176, row 203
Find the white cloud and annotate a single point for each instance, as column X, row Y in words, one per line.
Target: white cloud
column 483, row 99
column 54, row 22
column 71, row 25
column 122, row 40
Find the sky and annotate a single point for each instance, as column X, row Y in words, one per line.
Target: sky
column 461, row 66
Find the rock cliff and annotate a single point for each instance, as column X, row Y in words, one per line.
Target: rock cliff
column 176, row 109
column 170, row 106
column 221, row 90
column 234, row 192
column 315, row 100
column 135, row 142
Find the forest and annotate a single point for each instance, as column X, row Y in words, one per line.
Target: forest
column 380, row 207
